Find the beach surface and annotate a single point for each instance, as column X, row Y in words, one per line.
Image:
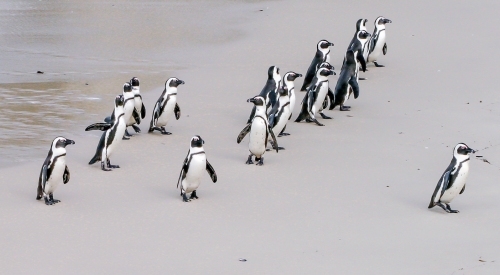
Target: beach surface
column 347, row 198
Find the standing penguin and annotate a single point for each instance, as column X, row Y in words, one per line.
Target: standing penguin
column 192, row 169
column 452, row 182
column 54, row 170
column 112, row 136
column 358, row 47
column 360, row 26
column 259, row 130
column 165, row 106
column 278, row 118
column 313, row 100
column 269, row 91
column 322, row 55
column 347, row 81
column 138, row 104
column 288, row 82
column 130, row 115
column 377, row 42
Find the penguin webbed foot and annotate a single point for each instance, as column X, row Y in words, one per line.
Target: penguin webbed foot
column 48, row 202
column 103, row 167
column 362, row 78
column 51, row 198
column 184, row 198
column 325, row 116
column 261, row 161
column 125, row 138
column 344, row 108
column 283, row 134
column 249, row 161
column 451, row 210
column 193, row 196
column 136, row 128
column 317, row 122
column 127, row 134
column 112, row 166
column 164, row 132
column 377, row 65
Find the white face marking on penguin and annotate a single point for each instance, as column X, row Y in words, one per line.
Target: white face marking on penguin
column 197, row 141
column 462, row 149
column 61, row 142
column 127, row 87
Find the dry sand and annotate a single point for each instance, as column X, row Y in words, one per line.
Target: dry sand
column 347, row 198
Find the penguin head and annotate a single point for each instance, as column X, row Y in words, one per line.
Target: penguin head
column 119, row 100
column 361, row 25
column 363, row 35
column 291, row 76
column 323, row 45
column 381, row 21
column 61, row 142
column 324, row 72
column 462, row 149
column 134, row 81
column 283, row 91
column 272, row 72
column 326, row 65
column 197, row 141
column 257, row 100
column 173, row 82
column 127, row 87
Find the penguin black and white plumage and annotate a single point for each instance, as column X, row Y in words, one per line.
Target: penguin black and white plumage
column 138, row 104
column 347, row 82
column 288, row 82
column 360, row 26
column 259, row 130
column 54, row 170
column 192, row 170
column 452, row 182
column 322, row 55
column 112, row 136
column 269, row 92
column 130, row 115
column 278, row 118
column 313, row 100
column 165, row 106
column 357, row 46
column 378, row 45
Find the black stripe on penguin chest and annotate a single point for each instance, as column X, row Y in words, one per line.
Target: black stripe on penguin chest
column 52, row 164
column 112, row 131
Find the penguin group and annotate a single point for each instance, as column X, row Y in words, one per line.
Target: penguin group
column 272, row 109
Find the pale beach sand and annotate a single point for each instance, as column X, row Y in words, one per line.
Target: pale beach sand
column 347, row 198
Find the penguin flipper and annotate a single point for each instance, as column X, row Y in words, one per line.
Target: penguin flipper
column 136, row 116
column 354, row 86
column 440, row 188
column 99, row 149
column 177, row 111
column 244, row 132
column 463, row 189
column 99, row 126
column 361, row 60
column 331, row 96
column 156, row 114
column 66, row 175
column 270, row 130
column 184, row 170
column 42, row 181
column 211, row 172
column 143, row 111
column 384, row 49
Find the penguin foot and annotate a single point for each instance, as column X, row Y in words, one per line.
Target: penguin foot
column 127, row 134
column 164, row 132
column 47, row 201
column 136, row 128
column 51, row 198
column 103, row 167
column 451, row 210
column 344, row 108
column 309, row 120
column 249, row 161
column 362, row 78
column 125, row 138
column 281, row 148
column 318, row 123
column 193, row 196
column 184, row 198
column 325, row 116
column 283, row 134
column 114, row 166
column 377, row 65
column 445, row 208
column 261, row 161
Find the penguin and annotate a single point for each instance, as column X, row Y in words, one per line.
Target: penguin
column 313, row 100
column 113, row 133
column 452, row 182
column 53, row 170
column 360, row 26
column 322, row 55
column 347, row 81
column 192, row 169
column 279, row 116
column 138, row 104
column 165, row 106
column 288, row 82
column 377, row 44
column 130, row 115
column 357, row 47
column 273, row 83
column 259, row 130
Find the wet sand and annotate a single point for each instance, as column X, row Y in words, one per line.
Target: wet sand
column 347, row 198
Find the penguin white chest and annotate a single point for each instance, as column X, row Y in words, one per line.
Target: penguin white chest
column 167, row 111
column 458, row 185
column 377, row 50
column 292, row 101
column 56, row 176
column 128, row 108
column 257, row 143
column 112, row 144
column 285, row 114
column 197, row 166
column 323, row 90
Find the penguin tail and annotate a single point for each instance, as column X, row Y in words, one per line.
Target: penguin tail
column 38, row 197
column 301, row 117
column 432, row 204
column 94, row 159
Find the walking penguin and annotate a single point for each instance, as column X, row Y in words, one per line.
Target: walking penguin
column 54, row 170
column 377, row 43
column 165, row 106
column 322, row 55
column 138, row 104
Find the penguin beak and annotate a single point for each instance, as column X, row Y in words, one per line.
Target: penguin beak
column 332, row 73
column 251, row 100
column 298, row 75
column 330, row 44
column 69, row 141
column 387, row 21
column 179, row 82
column 470, row 150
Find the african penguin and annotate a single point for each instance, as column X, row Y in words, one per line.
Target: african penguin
column 452, row 182
column 288, row 82
column 347, row 82
column 54, row 170
column 360, row 26
column 259, row 130
column 279, row 115
column 129, row 113
column 313, row 100
column 138, row 104
column 192, row 170
column 377, row 43
column 269, row 91
column 113, row 133
column 357, row 48
column 165, row 106
column 322, row 55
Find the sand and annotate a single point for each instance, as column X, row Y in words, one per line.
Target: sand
column 347, row 198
